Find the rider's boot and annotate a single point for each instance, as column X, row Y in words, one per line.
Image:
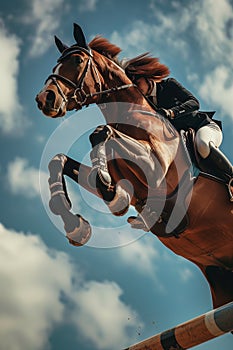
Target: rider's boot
column 223, row 165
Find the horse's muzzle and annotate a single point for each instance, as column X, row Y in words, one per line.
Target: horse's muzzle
column 48, row 104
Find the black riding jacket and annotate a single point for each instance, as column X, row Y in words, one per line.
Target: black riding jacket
column 172, row 95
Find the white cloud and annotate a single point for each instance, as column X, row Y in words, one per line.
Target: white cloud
column 138, row 39
column 200, row 35
column 185, row 274
column 218, row 91
column 33, row 278
column 214, row 20
column 24, row 179
column 141, row 254
column 87, row 5
column 206, row 26
column 209, row 25
column 103, row 317
column 160, row 38
column 215, row 30
column 45, row 15
column 12, row 120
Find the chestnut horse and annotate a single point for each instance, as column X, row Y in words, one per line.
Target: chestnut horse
column 190, row 213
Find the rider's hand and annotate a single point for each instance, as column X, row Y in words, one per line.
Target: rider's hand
column 168, row 113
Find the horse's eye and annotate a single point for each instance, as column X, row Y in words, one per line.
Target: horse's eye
column 78, row 60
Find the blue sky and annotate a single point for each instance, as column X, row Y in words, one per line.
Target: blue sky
column 124, row 286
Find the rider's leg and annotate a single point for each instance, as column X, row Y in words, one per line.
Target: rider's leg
column 208, row 139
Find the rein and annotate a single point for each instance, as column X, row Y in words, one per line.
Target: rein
column 79, row 94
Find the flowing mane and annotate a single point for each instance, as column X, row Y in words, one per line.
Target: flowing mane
column 141, row 66
column 104, row 47
column 145, row 66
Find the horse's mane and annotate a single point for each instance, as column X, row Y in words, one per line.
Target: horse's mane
column 145, row 66
column 104, row 47
column 141, row 66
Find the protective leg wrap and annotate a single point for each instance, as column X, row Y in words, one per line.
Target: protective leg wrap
column 98, row 156
column 99, row 166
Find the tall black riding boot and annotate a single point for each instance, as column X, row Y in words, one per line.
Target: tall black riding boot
column 223, row 166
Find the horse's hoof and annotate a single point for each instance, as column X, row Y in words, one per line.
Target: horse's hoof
column 120, row 203
column 78, row 233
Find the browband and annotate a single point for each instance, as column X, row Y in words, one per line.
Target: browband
column 74, row 49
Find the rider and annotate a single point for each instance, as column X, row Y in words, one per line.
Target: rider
column 179, row 105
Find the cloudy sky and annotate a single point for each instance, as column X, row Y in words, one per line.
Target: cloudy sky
column 124, row 286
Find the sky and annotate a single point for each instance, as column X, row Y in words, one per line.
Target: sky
column 124, row 286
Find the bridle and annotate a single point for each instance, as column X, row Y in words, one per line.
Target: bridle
column 79, row 94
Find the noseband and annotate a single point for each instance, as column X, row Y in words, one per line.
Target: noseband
column 79, row 94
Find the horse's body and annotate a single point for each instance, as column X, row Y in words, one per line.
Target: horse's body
column 142, row 147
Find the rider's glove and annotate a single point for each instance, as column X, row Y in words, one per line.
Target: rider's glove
column 168, row 113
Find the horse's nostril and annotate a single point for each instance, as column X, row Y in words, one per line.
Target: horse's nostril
column 50, row 97
column 39, row 104
column 46, row 99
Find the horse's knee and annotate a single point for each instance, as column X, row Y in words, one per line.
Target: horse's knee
column 57, row 162
column 102, row 133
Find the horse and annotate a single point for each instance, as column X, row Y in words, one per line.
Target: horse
column 138, row 159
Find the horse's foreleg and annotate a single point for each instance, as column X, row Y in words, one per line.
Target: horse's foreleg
column 77, row 228
column 98, row 156
column 117, row 199
column 79, row 173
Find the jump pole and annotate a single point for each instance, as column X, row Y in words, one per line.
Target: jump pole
column 191, row 333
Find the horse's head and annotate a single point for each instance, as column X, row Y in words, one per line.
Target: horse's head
column 87, row 74
column 64, row 89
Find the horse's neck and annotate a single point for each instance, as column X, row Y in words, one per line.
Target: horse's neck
column 116, row 104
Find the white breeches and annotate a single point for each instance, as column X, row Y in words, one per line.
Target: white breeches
column 205, row 135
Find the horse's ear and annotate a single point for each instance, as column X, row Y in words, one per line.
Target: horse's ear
column 61, row 47
column 79, row 36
